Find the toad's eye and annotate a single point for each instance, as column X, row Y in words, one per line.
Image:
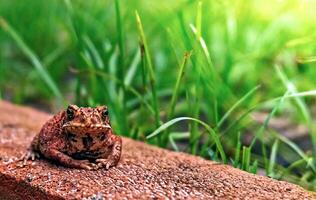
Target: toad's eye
column 105, row 112
column 70, row 113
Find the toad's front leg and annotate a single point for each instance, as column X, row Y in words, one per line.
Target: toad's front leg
column 115, row 154
column 68, row 161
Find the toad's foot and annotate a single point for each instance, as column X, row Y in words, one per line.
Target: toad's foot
column 29, row 155
column 105, row 163
column 86, row 164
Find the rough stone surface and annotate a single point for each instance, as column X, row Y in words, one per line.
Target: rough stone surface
column 144, row 172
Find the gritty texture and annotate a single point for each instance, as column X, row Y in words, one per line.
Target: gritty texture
column 144, row 172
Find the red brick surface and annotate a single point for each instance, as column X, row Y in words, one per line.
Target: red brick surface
column 144, row 172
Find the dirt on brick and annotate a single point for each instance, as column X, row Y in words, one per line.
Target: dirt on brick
column 144, row 172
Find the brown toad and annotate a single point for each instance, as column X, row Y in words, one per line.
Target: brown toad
column 78, row 137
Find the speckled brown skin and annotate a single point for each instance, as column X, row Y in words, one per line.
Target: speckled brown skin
column 78, row 138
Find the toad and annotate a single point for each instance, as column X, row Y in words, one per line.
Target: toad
column 78, row 137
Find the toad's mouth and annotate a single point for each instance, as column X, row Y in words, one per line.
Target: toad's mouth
column 86, row 128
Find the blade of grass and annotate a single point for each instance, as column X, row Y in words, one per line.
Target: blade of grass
column 307, row 59
column 176, row 136
column 85, row 55
column 237, row 151
column 69, row 18
column 116, row 80
column 132, row 69
column 175, row 94
column 245, row 114
column 150, row 68
column 94, row 52
column 53, row 56
column 306, row 176
column 294, row 165
column 180, row 76
column 298, row 94
column 300, row 103
column 292, row 90
column 213, row 154
column 246, row 153
column 261, row 130
column 165, row 93
column 212, row 133
column 44, row 75
column 239, row 119
column 239, row 102
column 259, row 133
column 203, row 46
column 112, row 68
column 309, row 161
column 254, row 167
column 121, row 67
column 267, row 102
column 261, row 104
column 273, row 158
column 265, row 156
column 198, row 21
column 120, row 39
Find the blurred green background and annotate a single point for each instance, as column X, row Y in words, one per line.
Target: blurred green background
column 187, row 75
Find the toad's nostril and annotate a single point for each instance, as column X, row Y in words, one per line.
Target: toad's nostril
column 82, row 120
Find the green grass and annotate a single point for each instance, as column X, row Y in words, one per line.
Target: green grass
column 185, row 75
column 34, row 60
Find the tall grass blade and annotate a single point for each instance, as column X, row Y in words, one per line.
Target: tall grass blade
column 149, row 67
column 254, row 167
column 203, row 46
column 237, row 151
column 120, row 38
column 175, row 93
column 44, row 75
column 273, row 155
column 198, row 21
column 85, row 55
column 246, row 153
column 70, row 14
column 94, row 52
column 121, row 61
column 130, row 74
